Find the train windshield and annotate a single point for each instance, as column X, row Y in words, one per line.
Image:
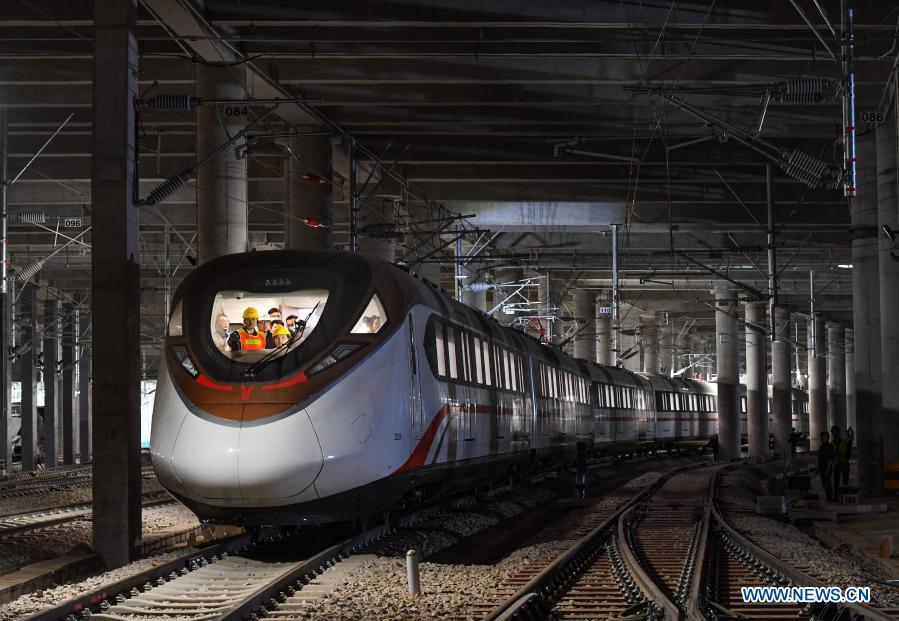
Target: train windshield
column 247, row 326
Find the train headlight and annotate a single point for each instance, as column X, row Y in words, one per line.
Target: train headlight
column 183, row 357
column 335, row 355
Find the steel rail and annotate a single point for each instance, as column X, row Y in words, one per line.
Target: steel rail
column 789, row 572
column 534, row 599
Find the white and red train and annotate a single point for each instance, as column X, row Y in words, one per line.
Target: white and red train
column 394, row 391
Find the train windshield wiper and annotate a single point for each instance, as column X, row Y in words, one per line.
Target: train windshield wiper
column 272, row 355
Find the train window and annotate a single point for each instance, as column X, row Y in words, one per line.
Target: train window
column 513, row 371
column 373, row 318
column 506, row 381
column 488, row 379
column 743, row 404
column 478, row 367
column 441, row 354
column 451, row 352
column 465, row 360
column 243, row 325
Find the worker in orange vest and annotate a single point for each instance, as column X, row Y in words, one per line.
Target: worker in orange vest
column 247, row 337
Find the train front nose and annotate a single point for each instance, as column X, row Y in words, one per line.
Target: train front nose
column 233, row 463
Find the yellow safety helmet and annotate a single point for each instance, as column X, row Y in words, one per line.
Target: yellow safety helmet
column 250, row 313
column 280, row 331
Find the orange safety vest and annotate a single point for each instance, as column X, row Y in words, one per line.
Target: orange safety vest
column 249, row 342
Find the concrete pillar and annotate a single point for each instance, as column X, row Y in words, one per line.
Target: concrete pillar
column 817, row 396
column 850, row 379
column 115, row 269
column 836, row 377
column 221, row 182
column 67, row 395
column 866, row 322
column 667, row 350
column 418, row 237
column 83, row 350
column 781, row 389
column 727, row 352
column 309, row 196
column 378, row 218
column 604, row 339
column 888, row 216
column 474, row 288
column 28, row 317
column 550, row 303
column 649, row 329
column 51, row 359
column 5, row 311
column 756, row 379
column 585, row 311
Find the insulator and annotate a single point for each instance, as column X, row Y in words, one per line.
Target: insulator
column 167, row 188
column 804, row 90
column 174, row 103
column 805, row 168
column 26, row 273
column 479, row 286
column 30, row 217
column 380, row 230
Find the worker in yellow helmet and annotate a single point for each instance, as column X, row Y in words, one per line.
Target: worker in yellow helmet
column 280, row 335
column 247, row 337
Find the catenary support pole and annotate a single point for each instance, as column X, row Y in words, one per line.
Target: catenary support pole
column 888, row 219
column 67, row 396
column 850, row 379
column 836, row 377
column 115, row 277
column 756, row 379
column 310, row 207
column 866, row 322
column 781, row 389
column 51, row 360
column 727, row 352
column 83, row 353
column 28, row 316
column 221, row 182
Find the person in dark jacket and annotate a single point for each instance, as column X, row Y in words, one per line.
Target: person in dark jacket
column 842, row 450
column 825, row 465
column 713, row 444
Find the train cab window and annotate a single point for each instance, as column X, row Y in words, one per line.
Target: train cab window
column 245, row 326
column 373, row 318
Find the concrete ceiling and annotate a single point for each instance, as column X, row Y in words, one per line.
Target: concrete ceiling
column 467, row 100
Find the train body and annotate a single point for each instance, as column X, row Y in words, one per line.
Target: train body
column 391, row 391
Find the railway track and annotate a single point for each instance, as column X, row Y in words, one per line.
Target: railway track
column 76, row 477
column 664, row 554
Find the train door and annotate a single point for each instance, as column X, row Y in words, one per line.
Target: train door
column 415, row 404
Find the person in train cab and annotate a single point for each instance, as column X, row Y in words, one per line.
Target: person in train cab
column 373, row 323
column 713, row 444
column 247, row 337
column 265, row 328
column 291, row 324
column 842, row 452
column 280, row 335
column 221, row 332
column 825, row 465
